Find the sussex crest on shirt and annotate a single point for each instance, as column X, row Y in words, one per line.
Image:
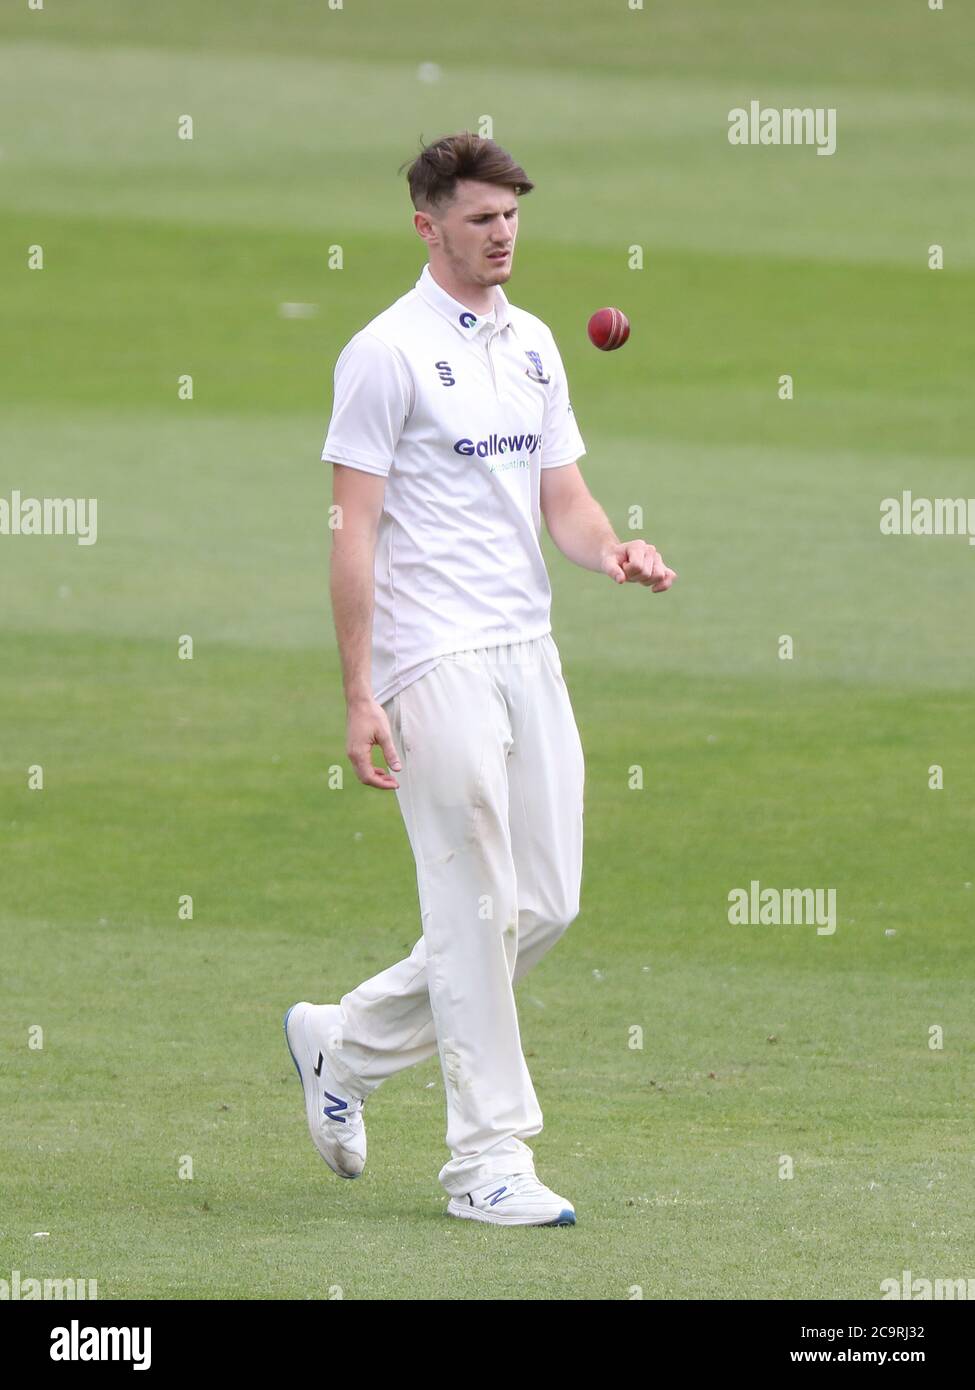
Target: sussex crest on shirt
column 536, row 372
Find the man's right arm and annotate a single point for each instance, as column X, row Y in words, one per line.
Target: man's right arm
column 372, row 402
column 359, row 496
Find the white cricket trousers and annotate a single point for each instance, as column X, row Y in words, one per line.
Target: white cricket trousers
column 491, row 792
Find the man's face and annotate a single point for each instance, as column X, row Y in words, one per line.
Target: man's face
column 476, row 234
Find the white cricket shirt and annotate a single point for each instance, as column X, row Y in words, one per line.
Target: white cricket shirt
column 459, row 412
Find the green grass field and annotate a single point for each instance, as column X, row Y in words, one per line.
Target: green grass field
column 162, row 1037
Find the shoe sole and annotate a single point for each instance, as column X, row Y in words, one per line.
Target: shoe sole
column 455, row 1207
column 308, row 1105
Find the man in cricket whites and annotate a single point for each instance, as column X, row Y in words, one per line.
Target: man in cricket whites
column 451, row 434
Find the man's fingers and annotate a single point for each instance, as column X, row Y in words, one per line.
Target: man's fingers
column 612, row 567
column 649, row 570
column 378, row 777
column 368, row 774
column 640, row 568
column 652, row 570
column 389, row 752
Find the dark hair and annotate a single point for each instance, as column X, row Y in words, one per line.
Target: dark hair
column 433, row 175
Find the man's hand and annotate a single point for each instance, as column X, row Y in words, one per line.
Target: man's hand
column 636, row 561
column 368, row 725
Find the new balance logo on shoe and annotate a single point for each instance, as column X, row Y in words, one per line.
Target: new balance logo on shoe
column 331, row 1110
column 498, row 1196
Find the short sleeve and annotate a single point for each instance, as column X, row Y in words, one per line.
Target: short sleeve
column 561, row 441
column 371, row 404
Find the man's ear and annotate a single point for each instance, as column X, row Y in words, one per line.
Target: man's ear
column 425, row 228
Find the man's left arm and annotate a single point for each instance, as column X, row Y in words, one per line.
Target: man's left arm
column 582, row 531
column 575, row 520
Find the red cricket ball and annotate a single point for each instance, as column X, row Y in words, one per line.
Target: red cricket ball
column 608, row 329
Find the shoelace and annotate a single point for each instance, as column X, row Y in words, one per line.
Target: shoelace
column 524, row 1182
column 517, row 1184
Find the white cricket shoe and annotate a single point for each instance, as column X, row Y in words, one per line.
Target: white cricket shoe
column 334, row 1115
column 520, row 1200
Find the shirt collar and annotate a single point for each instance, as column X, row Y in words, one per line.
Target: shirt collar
column 467, row 323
